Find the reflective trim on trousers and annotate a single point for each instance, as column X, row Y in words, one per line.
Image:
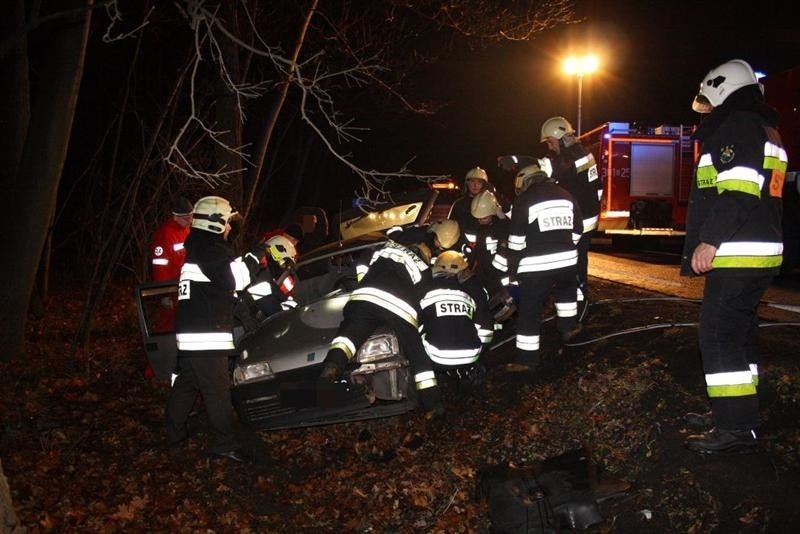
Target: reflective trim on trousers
column 566, row 309
column 205, row 341
column 425, row 380
column 530, row 343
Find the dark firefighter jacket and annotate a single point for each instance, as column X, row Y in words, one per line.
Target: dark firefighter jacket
column 545, row 227
column 209, row 277
column 575, row 170
column 394, row 274
column 455, row 321
column 488, row 252
column 735, row 200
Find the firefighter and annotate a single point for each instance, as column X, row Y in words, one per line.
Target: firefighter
column 455, row 322
column 546, row 225
column 447, row 235
column 386, row 295
column 475, row 181
column 488, row 238
column 733, row 237
column 204, row 325
column 273, row 287
column 575, row 170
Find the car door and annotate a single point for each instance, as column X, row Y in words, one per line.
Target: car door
column 156, row 303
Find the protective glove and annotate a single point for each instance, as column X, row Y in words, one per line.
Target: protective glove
column 334, row 366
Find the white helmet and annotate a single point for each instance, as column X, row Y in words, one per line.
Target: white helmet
column 281, row 249
column 476, row 173
column 449, row 262
column 484, row 204
column 446, row 231
column 721, row 82
column 556, row 127
column 535, row 173
column 212, row 214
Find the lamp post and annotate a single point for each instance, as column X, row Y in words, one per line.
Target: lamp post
column 580, row 66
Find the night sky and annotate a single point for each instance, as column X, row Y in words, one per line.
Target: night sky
column 653, row 56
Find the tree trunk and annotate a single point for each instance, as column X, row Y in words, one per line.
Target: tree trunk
column 8, row 518
column 30, row 199
column 228, row 118
column 255, row 172
column 15, row 108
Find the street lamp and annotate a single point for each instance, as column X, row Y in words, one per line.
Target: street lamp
column 580, row 66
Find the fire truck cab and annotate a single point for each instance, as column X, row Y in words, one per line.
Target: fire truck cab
column 646, row 175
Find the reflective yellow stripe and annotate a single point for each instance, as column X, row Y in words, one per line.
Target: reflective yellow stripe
column 387, row 301
column 774, row 157
column 345, row 345
column 425, row 380
column 706, row 173
column 737, row 390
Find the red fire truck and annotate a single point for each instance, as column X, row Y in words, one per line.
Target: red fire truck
column 646, row 175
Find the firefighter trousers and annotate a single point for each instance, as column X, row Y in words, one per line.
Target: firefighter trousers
column 728, row 330
column 360, row 321
column 533, row 293
column 210, row 376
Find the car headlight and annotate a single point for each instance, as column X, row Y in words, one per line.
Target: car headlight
column 378, row 347
column 252, row 372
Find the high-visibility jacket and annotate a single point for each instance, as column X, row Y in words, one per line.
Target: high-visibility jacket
column 735, row 199
column 208, row 279
column 394, row 274
column 575, row 169
column 546, row 225
column 455, row 321
column 167, row 251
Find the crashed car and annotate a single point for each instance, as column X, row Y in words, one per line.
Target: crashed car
column 274, row 376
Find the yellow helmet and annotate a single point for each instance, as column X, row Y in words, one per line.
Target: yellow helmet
column 484, row 204
column 446, row 231
column 212, row 214
column 477, row 173
column 449, row 262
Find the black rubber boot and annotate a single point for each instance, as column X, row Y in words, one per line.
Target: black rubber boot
column 698, row 421
column 720, row 441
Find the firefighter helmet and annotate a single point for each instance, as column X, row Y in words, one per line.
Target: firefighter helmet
column 446, row 231
column 449, row 262
column 476, row 173
column 212, row 214
column 484, row 204
column 423, row 251
column 535, row 173
column 721, row 81
column 556, row 127
column 281, row 249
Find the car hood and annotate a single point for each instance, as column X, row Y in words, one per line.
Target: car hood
column 296, row 338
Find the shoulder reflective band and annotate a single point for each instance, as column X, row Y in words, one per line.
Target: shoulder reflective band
column 742, row 179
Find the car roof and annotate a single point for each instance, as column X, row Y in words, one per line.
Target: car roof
column 364, row 241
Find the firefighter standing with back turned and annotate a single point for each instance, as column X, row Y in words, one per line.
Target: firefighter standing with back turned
column 733, row 236
column 204, row 326
column 575, row 170
column 546, row 225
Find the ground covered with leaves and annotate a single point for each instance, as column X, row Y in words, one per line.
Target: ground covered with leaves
column 83, row 445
